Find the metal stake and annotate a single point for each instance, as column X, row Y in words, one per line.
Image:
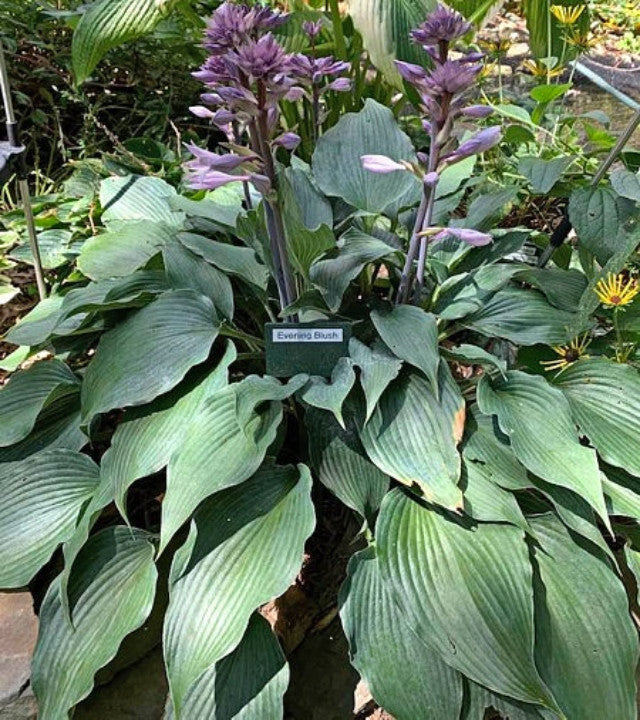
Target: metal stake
column 12, row 137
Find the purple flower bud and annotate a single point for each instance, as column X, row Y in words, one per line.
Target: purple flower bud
column 479, row 143
column 477, row 111
column 380, row 164
column 339, row 85
column 312, row 29
column 430, row 180
column 211, row 179
column 443, row 25
column 423, row 157
column 471, row 237
column 264, row 58
column 231, row 25
column 261, row 183
column 426, row 126
column 413, row 74
column 450, row 78
column 473, row 57
column 288, row 140
column 207, row 160
column 201, row 111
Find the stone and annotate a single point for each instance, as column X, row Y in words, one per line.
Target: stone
column 18, row 634
column 23, row 708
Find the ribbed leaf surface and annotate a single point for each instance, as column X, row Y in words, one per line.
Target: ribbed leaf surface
column 41, row 500
column 378, row 367
column 586, row 642
column 467, row 592
column 412, row 436
column 244, row 548
column 150, row 352
column 28, row 392
column 112, row 591
column 247, row 684
column 405, row 676
column 537, row 418
column 605, row 402
column 133, row 197
column 331, row 394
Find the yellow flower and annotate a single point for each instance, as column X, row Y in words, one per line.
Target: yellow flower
column 582, row 42
column 614, row 292
column 496, row 47
column 540, row 70
column 568, row 354
column 567, row 15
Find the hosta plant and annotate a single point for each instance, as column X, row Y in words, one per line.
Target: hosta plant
column 482, row 425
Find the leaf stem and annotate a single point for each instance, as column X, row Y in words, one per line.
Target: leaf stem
column 336, row 19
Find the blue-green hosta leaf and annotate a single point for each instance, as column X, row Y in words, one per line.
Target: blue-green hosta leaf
column 404, row 675
column 144, row 445
column 108, row 23
column 28, row 393
column 37, row 325
column 224, row 445
column 605, row 402
column 112, row 591
column 562, row 288
column 239, row 261
column 41, row 500
column 524, row 317
column 331, row 394
column 337, row 167
column 586, row 642
column 222, row 206
column 247, row 684
column 543, row 174
column 122, row 251
column 385, row 28
column 341, row 464
column 480, row 699
column 486, row 501
column 150, row 352
column 185, row 269
column 54, row 249
column 332, row 275
column 622, row 492
column 412, row 335
column 138, row 198
column 537, row 419
column 473, row 355
column 412, row 436
column 465, row 591
column 378, row 367
column 244, row 548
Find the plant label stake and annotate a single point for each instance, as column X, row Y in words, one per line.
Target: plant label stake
column 313, row 347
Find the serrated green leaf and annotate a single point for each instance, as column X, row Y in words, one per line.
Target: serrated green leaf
column 337, row 167
column 244, row 548
column 586, row 642
column 439, row 572
column 28, row 393
column 150, row 352
column 537, row 419
column 404, row 675
column 112, row 591
column 412, row 436
column 41, row 500
column 412, row 335
column 543, row 174
column 626, row 184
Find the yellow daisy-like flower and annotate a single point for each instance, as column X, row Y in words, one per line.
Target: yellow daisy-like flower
column 540, row 70
column 568, row 354
column 615, row 292
column 582, row 42
column 567, row 15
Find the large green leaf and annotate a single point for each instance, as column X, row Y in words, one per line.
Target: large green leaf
column 338, row 458
column 150, row 352
column 224, row 445
column 185, row 269
column 543, row 174
column 378, row 367
column 586, row 642
column 465, row 591
column 111, row 590
column 537, row 419
column 524, row 317
column 385, row 26
column 30, row 391
column 480, row 699
column 107, row 23
column 605, row 402
column 331, row 394
column 626, row 184
column 120, row 252
column 562, row 288
column 54, row 247
column 337, row 166
column 134, row 197
column 412, row 435
column 143, row 445
column 486, row 501
column 247, row 684
column 244, row 548
column 405, row 675
column 412, row 335
column 41, row 500
column 332, row 274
